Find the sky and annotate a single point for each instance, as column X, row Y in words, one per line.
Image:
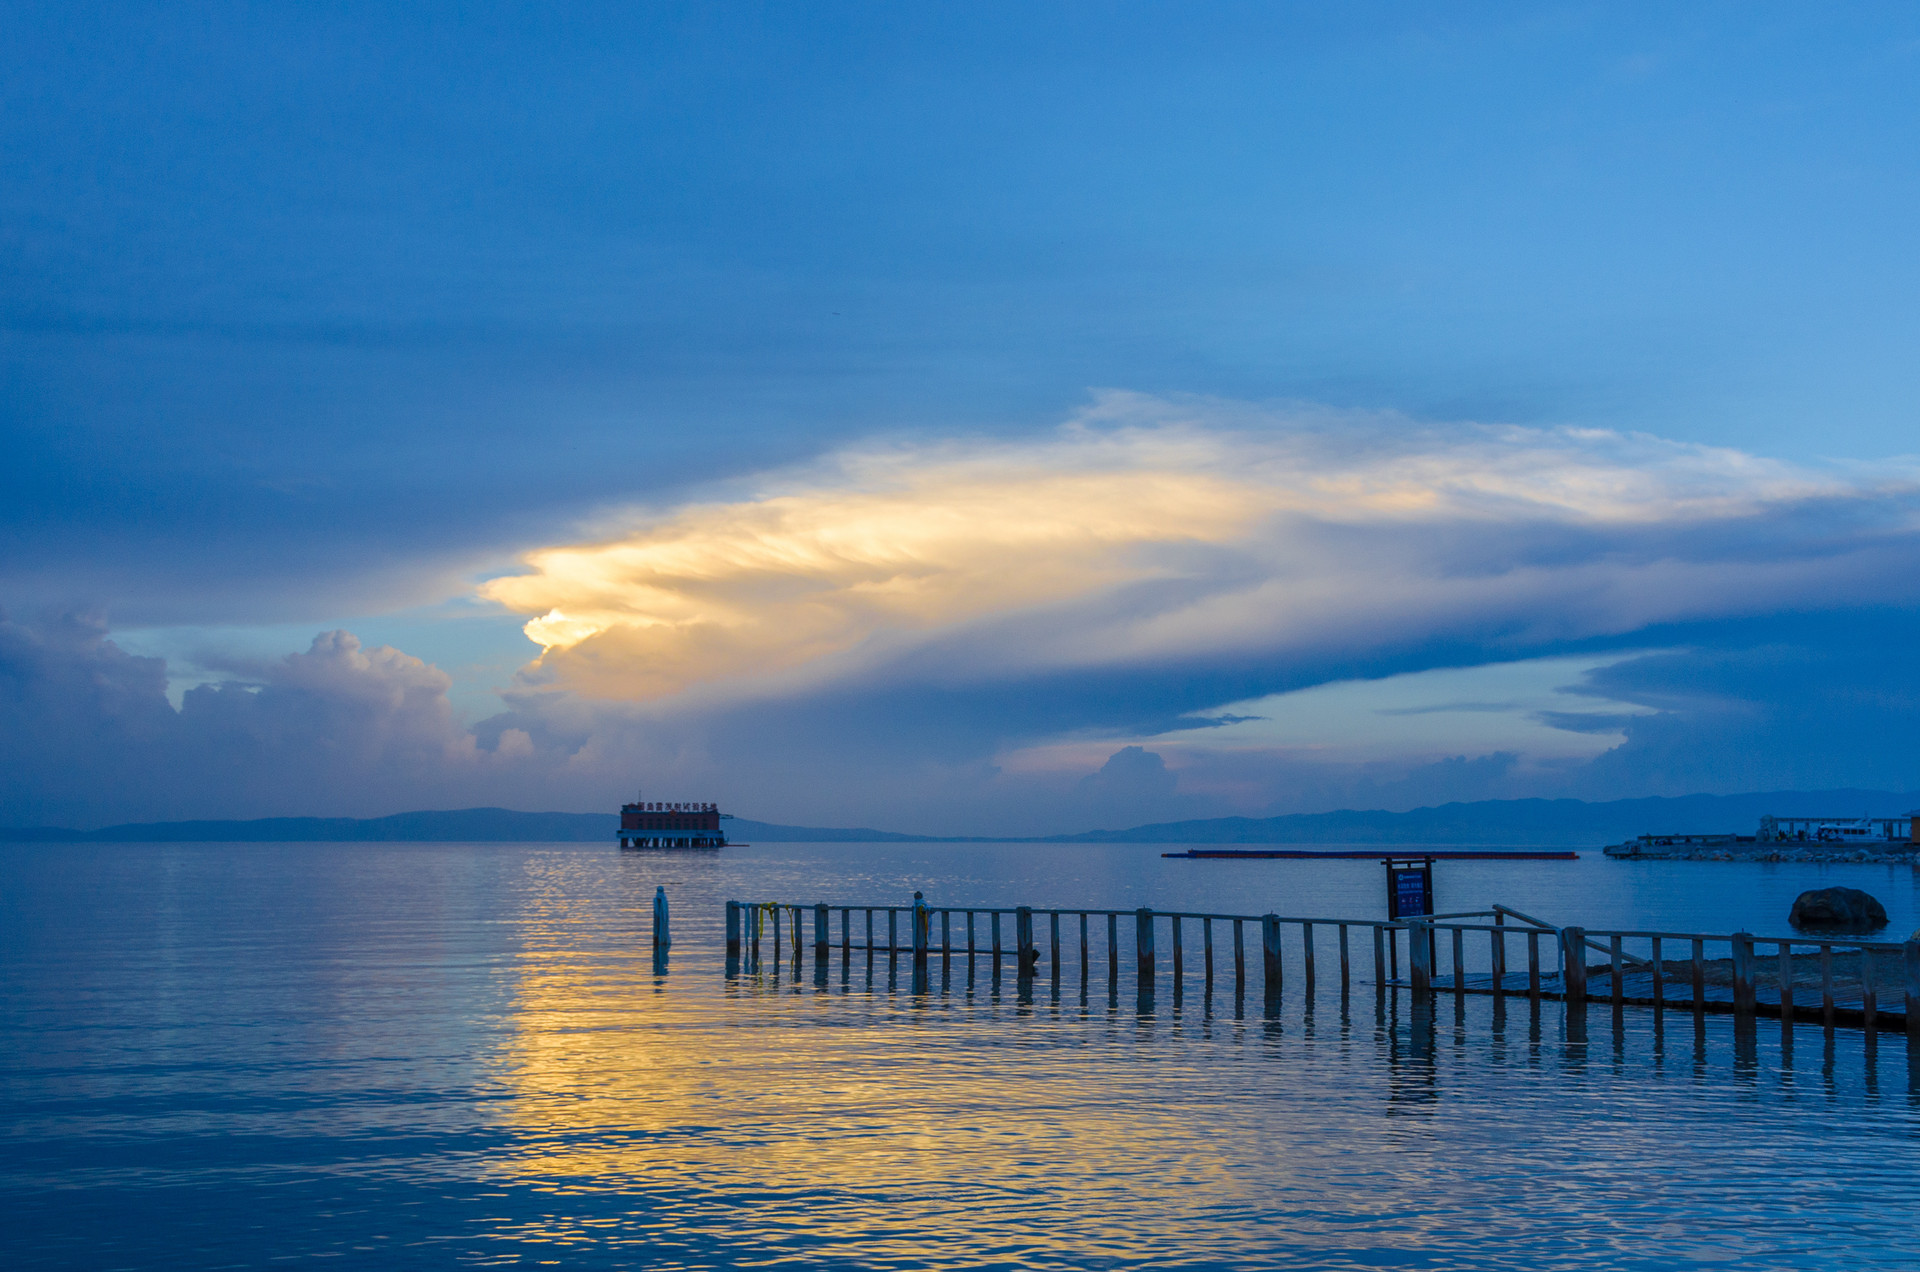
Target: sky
column 954, row 418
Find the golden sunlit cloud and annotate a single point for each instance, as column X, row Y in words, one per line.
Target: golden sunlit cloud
column 871, row 551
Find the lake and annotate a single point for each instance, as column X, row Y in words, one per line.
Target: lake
column 447, row 1055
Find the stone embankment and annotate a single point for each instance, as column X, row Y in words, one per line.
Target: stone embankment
column 1901, row 855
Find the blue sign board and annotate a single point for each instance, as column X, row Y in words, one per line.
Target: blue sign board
column 1409, row 891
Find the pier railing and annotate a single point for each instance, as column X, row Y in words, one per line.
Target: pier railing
column 1500, row 951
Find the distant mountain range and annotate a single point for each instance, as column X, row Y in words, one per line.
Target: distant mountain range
column 1513, row 822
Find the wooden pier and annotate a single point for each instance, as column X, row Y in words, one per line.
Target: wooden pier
column 1837, row 982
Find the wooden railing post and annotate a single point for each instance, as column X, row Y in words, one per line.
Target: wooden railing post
column 1742, row 975
column 733, row 929
column 1053, row 928
column 1381, row 972
column 1826, row 985
column 1270, row 951
column 1023, row 939
column 822, row 940
column 1786, row 981
column 1179, row 955
column 1113, row 949
column 1573, row 964
column 922, row 928
column 1239, row 958
column 1911, row 962
column 1143, row 944
column 1420, row 958
column 1498, row 955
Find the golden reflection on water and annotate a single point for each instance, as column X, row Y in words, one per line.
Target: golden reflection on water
column 858, row 1119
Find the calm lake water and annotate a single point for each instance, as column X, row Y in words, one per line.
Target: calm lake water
column 445, row 1055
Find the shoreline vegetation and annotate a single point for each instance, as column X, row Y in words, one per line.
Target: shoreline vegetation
column 1543, row 823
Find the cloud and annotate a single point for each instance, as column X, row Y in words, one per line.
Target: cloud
column 1149, row 532
column 88, row 736
column 1210, row 608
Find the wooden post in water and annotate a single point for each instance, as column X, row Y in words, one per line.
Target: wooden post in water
column 822, row 939
column 1346, row 966
column 1239, row 958
column 1270, row 952
column 1497, row 955
column 1533, row 964
column 1699, row 975
column 1573, row 964
column 869, row 934
column 1053, row 920
column 1786, row 980
column 1459, row 963
column 1380, row 975
column 846, row 933
column 662, row 937
column 1615, row 966
column 1206, row 945
column 1911, row 965
column 1023, row 940
column 1743, row 975
column 1113, row 949
column 1179, row 955
column 946, row 934
column 1085, row 963
column 773, row 912
column 1869, row 992
column 969, row 933
column 1306, row 953
column 893, row 930
column 1143, row 945
column 922, row 929
column 1659, row 977
column 1826, row 985
column 733, row 929
column 996, row 937
column 1420, row 959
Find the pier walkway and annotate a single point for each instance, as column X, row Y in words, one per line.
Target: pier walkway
column 1838, row 982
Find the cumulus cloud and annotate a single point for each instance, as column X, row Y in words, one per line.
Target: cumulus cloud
column 87, row 734
column 1146, row 531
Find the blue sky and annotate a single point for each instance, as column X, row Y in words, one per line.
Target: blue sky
column 906, row 408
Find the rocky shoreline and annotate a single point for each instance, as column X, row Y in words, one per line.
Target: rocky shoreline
column 1824, row 854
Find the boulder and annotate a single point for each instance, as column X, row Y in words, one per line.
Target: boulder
column 1838, row 910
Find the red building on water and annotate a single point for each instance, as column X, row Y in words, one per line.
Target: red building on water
column 658, row 824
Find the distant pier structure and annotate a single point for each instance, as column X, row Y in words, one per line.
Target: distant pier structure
column 671, row 824
column 1840, row 830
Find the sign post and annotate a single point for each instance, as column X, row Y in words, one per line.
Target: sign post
column 1410, row 896
column 1409, row 887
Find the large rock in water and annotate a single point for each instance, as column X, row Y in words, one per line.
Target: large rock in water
column 1838, row 910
